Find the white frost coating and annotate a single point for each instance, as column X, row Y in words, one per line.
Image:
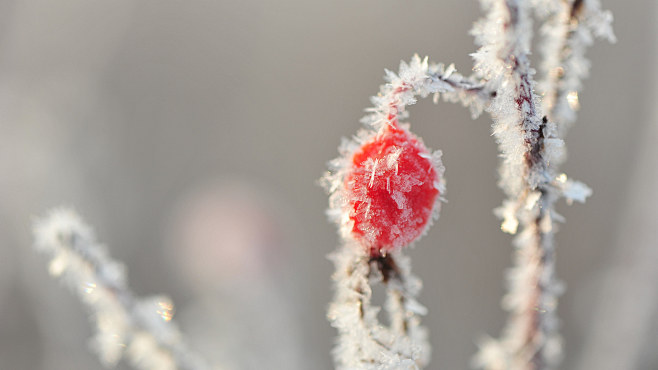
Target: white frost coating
column 573, row 190
column 125, row 325
column 363, row 342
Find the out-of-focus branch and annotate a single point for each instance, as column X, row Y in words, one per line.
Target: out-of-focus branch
column 139, row 329
column 569, row 28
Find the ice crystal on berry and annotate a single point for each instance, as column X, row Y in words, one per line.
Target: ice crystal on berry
column 392, row 187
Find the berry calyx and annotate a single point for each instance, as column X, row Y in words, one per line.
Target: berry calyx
column 392, row 188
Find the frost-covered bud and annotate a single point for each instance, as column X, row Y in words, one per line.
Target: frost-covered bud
column 392, row 188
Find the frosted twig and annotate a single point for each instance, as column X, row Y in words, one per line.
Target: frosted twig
column 419, row 78
column 469, row 91
column 532, row 148
column 530, row 338
column 140, row 329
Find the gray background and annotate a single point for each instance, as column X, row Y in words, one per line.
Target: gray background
column 122, row 109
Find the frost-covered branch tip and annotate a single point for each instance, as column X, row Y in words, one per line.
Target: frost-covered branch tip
column 419, row 78
column 126, row 326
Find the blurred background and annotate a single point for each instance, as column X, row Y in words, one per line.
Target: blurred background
column 191, row 135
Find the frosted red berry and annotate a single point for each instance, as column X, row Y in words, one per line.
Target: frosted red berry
column 392, row 188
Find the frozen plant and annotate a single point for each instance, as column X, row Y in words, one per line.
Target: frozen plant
column 380, row 208
column 140, row 329
column 384, row 194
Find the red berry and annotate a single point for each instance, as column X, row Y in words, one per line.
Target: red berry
column 392, row 188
